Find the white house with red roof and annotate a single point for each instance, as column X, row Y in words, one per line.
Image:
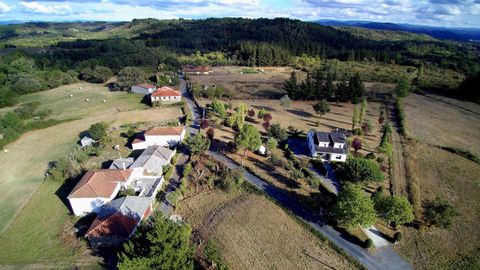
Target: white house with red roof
column 166, row 94
column 99, row 187
column 144, row 88
column 162, row 136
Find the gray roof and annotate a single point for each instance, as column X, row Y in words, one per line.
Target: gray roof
column 323, row 136
column 121, row 162
column 148, row 185
column 153, row 158
column 337, row 137
column 131, row 206
column 331, row 150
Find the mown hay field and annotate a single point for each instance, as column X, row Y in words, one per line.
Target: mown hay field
column 253, row 233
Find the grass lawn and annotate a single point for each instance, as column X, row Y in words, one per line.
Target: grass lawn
column 253, row 233
column 23, row 166
column 42, row 233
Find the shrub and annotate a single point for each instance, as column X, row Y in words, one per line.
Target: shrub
column 439, row 213
column 369, row 243
column 313, row 182
column 380, row 159
column 370, row 155
column 397, row 237
column 358, row 132
column 358, row 169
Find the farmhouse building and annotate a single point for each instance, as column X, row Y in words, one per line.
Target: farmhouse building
column 328, row 146
column 152, row 159
column 144, row 88
column 166, row 94
column 195, row 70
column 163, row 136
column 97, row 188
column 117, row 221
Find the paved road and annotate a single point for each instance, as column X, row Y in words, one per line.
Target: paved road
column 384, row 258
column 165, row 206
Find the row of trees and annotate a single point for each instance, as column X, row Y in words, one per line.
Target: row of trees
column 322, row 86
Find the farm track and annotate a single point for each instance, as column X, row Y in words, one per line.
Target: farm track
column 398, row 170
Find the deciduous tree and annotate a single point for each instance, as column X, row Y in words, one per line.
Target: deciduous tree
column 248, row 138
column 285, row 101
column 354, row 208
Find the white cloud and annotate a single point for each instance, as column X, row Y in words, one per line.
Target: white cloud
column 55, row 9
column 4, row 8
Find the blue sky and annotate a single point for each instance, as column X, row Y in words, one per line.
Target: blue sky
column 453, row 13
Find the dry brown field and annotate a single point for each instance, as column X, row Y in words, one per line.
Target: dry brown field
column 435, row 172
column 253, row 233
column 444, row 122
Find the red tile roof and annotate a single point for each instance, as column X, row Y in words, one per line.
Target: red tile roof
column 117, row 225
column 100, row 183
column 146, row 85
column 164, row 131
column 166, row 91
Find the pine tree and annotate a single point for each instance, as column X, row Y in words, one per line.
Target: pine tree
column 355, row 117
column 363, row 111
column 291, row 86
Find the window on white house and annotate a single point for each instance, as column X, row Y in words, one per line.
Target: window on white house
column 339, row 157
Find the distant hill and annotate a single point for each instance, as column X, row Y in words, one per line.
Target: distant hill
column 458, row 34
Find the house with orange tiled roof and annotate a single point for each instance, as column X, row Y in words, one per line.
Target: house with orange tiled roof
column 117, row 221
column 162, row 136
column 166, row 94
column 99, row 187
column 144, row 88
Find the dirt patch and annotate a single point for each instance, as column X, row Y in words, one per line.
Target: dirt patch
column 253, row 233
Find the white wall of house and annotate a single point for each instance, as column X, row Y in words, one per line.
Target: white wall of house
column 164, row 140
column 83, row 206
column 139, row 145
column 141, row 90
column 338, row 157
column 338, row 145
column 166, row 99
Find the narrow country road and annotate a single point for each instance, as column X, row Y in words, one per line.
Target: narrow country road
column 165, row 206
column 384, row 258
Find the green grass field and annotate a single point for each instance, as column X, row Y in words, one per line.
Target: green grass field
column 32, row 218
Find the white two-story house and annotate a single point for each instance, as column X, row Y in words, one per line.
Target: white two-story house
column 328, row 146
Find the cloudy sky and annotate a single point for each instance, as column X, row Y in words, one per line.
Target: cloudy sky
column 458, row 13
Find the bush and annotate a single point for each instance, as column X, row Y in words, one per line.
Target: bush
column 358, row 169
column 368, row 243
column 313, row 182
column 439, row 213
column 380, row 159
column 397, row 237
column 370, row 155
column 402, row 122
column 358, row 132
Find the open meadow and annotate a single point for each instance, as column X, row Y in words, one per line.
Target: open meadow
column 29, row 234
column 436, row 172
column 444, row 121
column 253, row 233
column 435, row 122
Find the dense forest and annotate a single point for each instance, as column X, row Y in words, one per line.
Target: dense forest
column 166, row 44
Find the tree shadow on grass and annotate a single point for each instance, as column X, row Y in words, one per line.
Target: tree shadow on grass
column 299, row 112
column 267, row 108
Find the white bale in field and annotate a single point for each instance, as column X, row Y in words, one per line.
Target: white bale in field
column 104, row 101
column 6, row 150
column 71, row 95
column 87, row 100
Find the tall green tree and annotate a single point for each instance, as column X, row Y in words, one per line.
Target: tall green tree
column 355, row 117
column 129, row 76
column 358, row 169
column 354, row 208
column 197, row 144
column 98, row 132
column 321, row 107
column 291, row 86
column 402, row 88
column 357, row 89
column 159, row 243
column 395, row 210
column 248, row 138
column 363, row 111
column 239, row 115
column 329, row 88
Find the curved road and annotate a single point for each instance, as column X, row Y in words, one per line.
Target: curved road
column 383, row 259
